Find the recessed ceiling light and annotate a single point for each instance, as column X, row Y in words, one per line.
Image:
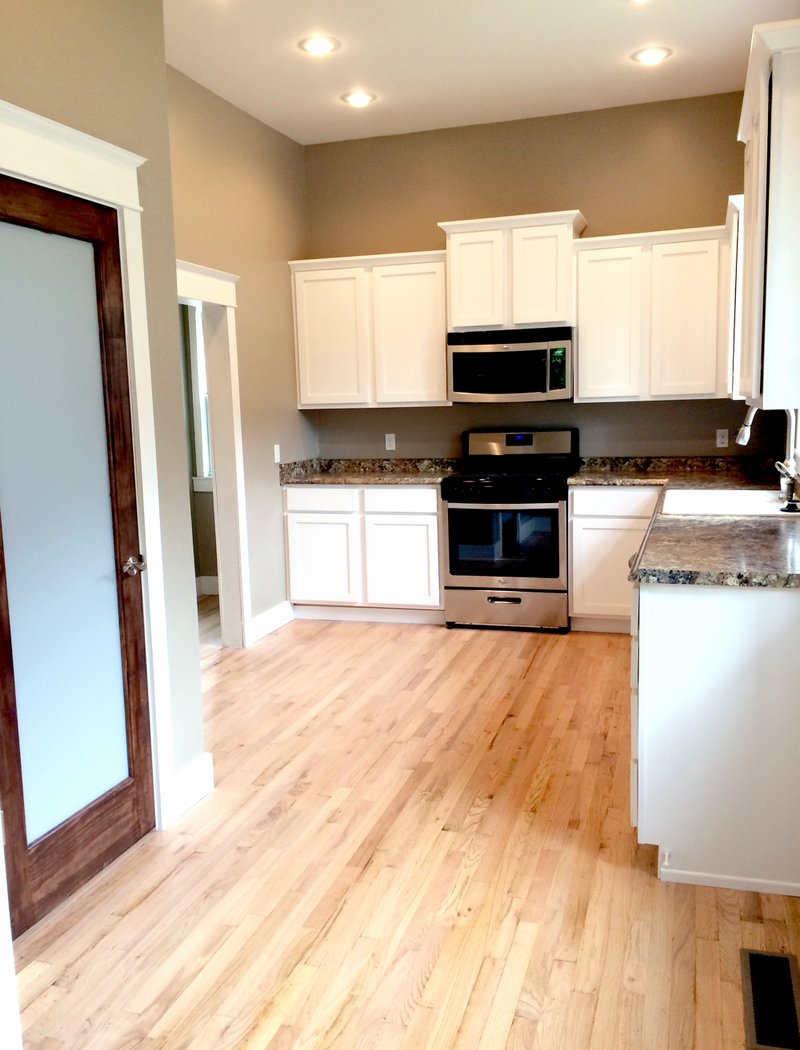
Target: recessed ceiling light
column 651, row 56
column 359, row 99
column 319, row 45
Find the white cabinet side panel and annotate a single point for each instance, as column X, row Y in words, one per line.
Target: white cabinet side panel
column 719, row 731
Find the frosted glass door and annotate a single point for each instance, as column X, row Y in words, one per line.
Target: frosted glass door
column 55, row 509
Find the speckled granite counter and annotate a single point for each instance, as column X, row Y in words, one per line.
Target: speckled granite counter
column 720, row 552
column 694, row 471
column 366, row 471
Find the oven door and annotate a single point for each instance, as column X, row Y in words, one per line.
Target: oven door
column 509, row 545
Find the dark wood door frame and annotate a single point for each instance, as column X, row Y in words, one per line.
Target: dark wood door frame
column 48, row 870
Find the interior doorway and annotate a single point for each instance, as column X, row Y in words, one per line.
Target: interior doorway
column 207, row 299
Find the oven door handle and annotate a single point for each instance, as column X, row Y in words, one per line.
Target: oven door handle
column 505, row 506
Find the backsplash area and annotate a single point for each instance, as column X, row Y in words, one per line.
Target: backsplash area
column 651, row 428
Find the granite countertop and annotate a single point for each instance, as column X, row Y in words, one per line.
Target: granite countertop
column 720, row 552
column 366, row 471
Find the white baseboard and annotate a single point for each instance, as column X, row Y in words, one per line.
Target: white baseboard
column 728, row 882
column 207, row 585
column 607, row 624
column 368, row 614
column 189, row 784
column 258, row 627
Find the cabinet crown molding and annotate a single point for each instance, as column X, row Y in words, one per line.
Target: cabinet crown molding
column 388, row 259
column 510, row 222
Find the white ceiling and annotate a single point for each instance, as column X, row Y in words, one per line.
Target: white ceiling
column 448, row 63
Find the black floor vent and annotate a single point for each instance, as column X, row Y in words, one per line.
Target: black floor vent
column 771, row 987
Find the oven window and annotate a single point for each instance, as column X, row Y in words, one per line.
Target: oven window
column 500, row 371
column 504, row 543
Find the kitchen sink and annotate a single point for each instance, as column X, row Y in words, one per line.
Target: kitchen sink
column 733, row 502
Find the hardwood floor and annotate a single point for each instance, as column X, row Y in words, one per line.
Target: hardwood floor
column 419, row 841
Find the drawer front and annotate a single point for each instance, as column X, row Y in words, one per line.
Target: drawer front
column 401, row 499
column 332, row 498
column 634, row 501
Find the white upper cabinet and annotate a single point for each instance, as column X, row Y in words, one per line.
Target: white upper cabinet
column 409, row 332
column 770, row 129
column 333, row 339
column 609, row 322
column 541, row 274
column 476, row 278
column 653, row 316
column 370, row 330
column 683, row 351
column 512, row 271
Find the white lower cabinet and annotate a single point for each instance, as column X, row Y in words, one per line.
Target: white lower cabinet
column 381, row 551
column 607, row 526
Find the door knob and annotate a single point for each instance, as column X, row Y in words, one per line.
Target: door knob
column 133, row 566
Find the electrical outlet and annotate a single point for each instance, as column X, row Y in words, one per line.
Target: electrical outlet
column 390, row 443
column 276, row 452
column 722, row 437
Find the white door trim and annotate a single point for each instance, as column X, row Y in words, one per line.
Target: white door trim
column 217, row 292
column 41, row 151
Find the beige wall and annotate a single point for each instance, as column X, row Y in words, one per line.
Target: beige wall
column 240, row 206
column 98, row 66
column 648, row 167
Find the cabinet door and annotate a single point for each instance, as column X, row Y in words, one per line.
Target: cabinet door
column 324, row 556
column 609, row 323
column 333, row 339
column 409, row 333
column 402, row 559
column 476, row 266
column 683, row 350
column 541, row 264
column 601, row 549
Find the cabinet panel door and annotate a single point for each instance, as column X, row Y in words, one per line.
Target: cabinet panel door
column 609, row 322
column 333, row 339
column 402, row 559
column 476, row 266
column 601, row 548
column 324, row 555
column 409, row 333
column 683, row 349
column 542, row 275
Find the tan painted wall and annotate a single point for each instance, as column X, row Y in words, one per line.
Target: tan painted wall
column 98, row 66
column 240, row 206
column 649, row 167
column 646, row 167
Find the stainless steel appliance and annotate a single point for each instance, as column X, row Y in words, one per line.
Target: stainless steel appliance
column 505, row 529
column 518, row 364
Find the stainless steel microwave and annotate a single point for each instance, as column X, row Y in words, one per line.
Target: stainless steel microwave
column 518, row 364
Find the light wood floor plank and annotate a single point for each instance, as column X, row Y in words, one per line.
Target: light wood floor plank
column 419, row 841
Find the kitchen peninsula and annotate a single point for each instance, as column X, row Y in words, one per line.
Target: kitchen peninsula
column 715, row 733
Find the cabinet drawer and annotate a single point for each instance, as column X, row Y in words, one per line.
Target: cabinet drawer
column 333, row 498
column 635, row 501
column 401, row 500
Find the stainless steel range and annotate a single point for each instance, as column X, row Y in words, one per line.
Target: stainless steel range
column 505, row 529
